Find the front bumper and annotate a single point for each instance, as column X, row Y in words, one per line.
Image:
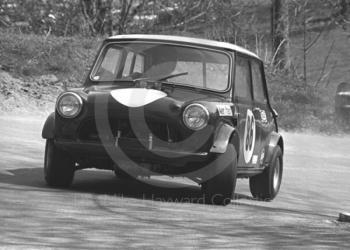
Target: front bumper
column 127, row 150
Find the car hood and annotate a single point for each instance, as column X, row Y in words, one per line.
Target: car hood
column 154, row 104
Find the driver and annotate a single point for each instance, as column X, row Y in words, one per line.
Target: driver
column 163, row 61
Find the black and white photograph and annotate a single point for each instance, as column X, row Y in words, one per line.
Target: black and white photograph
column 174, row 124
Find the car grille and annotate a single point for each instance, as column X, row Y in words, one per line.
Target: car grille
column 122, row 128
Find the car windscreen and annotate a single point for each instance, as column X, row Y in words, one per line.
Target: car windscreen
column 182, row 65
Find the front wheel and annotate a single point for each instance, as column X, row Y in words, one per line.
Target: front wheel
column 266, row 185
column 219, row 190
column 58, row 166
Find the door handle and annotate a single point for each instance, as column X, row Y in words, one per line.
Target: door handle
column 236, row 114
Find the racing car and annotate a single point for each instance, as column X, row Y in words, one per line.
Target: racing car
column 169, row 105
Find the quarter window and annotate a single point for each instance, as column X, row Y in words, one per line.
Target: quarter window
column 258, row 82
column 242, row 79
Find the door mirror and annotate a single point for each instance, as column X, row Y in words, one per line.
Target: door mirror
column 274, row 113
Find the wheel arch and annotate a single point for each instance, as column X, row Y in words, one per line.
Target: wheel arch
column 275, row 140
column 49, row 127
column 281, row 144
column 225, row 134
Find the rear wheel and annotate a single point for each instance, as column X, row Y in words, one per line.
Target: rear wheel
column 266, row 185
column 58, row 166
column 219, row 190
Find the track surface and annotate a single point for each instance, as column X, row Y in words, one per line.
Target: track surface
column 100, row 211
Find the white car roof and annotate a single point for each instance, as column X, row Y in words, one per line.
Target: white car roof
column 198, row 41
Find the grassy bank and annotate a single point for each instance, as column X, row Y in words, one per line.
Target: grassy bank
column 33, row 55
column 35, row 69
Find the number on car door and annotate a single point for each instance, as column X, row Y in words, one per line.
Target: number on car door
column 246, row 125
column 261, row 109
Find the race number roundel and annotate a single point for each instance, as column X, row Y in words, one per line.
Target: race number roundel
column 249, row 136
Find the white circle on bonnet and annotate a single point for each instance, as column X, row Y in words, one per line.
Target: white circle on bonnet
column 137, row 97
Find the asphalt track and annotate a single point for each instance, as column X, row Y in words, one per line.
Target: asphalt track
column 101, row 211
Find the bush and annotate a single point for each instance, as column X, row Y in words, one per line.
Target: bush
column 302, row 107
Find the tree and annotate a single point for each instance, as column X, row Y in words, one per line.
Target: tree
column 124, row 12
column 280, row 33
column 97, row 15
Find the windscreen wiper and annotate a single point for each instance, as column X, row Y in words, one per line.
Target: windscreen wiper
column 162, row 78
column 173, row 75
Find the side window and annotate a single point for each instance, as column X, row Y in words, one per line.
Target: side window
column 258, row 82
column 242, row 79
column 109, row 66
column 139, row 64
column 128, row 64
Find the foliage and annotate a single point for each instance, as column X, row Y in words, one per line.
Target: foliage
column 59, row 17
column 302, row 107
column 236, row 21
column 31, row 55
column 63, row 35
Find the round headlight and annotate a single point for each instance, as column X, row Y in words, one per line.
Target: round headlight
column 69, row 105
column 196, row 116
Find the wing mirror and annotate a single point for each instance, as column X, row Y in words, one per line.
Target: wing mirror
column 274, row 113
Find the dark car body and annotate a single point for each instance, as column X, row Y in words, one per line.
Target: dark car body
column 342, row 103
column 144, row 117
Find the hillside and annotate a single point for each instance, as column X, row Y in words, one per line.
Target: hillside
column 36, row 68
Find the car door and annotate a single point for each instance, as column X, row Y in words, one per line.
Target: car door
column 243, row 99
column 261, row 109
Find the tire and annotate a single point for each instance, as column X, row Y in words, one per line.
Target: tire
column 58, row 166
column 219, row 190
column 266, row 185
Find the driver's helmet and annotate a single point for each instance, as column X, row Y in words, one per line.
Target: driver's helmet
column 163, row 61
